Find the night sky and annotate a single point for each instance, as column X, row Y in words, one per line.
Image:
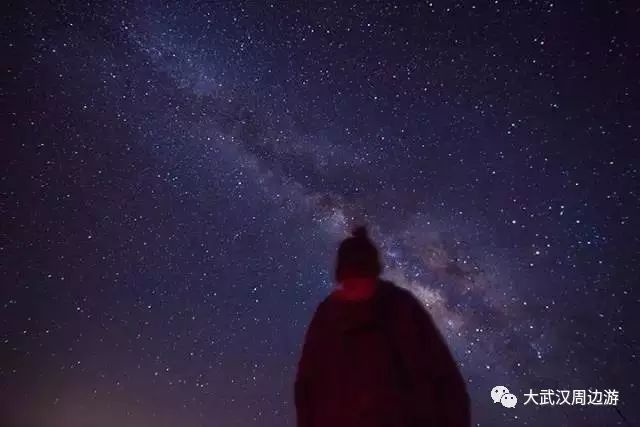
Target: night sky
column 176, row 177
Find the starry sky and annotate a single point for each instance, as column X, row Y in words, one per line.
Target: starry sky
column 177, row 176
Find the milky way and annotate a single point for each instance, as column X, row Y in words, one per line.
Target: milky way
column 177, row 177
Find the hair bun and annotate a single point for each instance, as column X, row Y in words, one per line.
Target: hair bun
column 360, row 232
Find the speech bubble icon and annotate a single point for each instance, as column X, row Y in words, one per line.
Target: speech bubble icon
column 509, row 400
column 497, row 392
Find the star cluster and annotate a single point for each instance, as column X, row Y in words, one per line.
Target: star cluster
column 177, row 176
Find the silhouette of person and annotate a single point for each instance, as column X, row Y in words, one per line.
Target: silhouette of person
column 373, row 357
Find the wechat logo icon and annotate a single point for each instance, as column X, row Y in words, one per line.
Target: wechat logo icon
column 500, row 394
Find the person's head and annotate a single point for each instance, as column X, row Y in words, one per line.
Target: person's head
column 358, row 258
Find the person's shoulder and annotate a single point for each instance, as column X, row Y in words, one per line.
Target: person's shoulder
column 397, row 293
column 325, row 305
column 405, row 303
